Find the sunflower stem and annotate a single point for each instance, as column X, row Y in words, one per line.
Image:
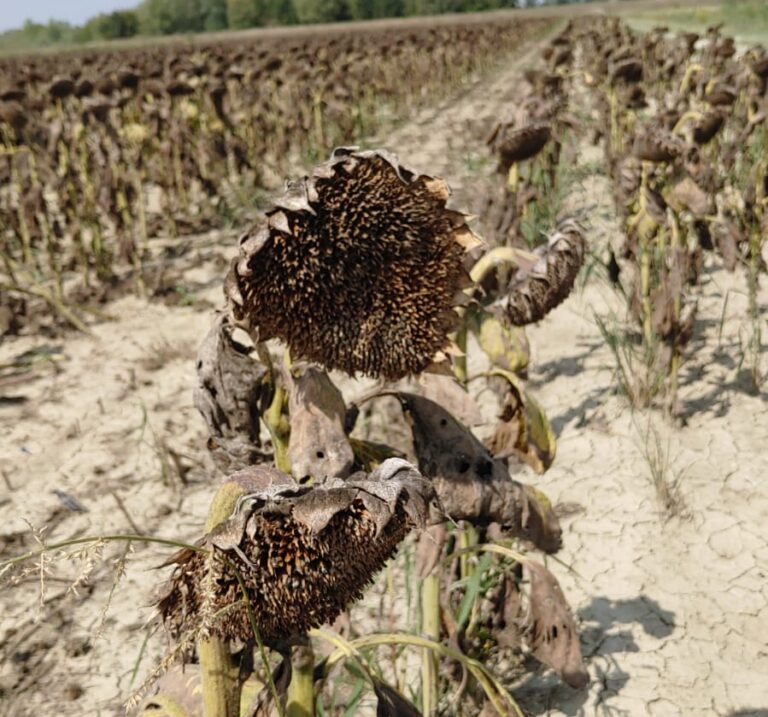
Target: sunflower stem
column 430, row 628
column 677, row 305
column 460, row 362
column 221, row 688
column 645, row 268
column 301, row 691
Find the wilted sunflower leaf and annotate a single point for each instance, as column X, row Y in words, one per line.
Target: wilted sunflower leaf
column 361, row 269
column 390, row 702
column 369, row 455
column 523, row 429
column 230, row 386
column 318, row 445
column 505, row 346
column 532, row 294
column 305, row 553
column 470, row 483
column 549, row 627
column 686, row 194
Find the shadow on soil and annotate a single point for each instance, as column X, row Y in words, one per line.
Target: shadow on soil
column 606, row 631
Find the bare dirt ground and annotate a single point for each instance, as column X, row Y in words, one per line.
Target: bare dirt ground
column 673, row 609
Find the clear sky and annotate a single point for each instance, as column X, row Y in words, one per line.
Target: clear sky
column 13, row 13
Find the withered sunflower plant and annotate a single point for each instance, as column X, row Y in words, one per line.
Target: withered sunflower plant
column 362, row 269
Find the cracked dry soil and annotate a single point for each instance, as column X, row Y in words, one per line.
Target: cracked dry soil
column 673, row 609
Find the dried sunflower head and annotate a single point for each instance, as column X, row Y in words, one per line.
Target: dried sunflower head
column 524, row 143
column 536, row 290
column 358, row 267
column 657, row 145
column 304, row 553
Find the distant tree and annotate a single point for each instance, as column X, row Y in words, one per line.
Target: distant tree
column 166, row 17
column 323, row 10
column 110, row 26
column 281, row 12
column 215, row 15
column 245, row 13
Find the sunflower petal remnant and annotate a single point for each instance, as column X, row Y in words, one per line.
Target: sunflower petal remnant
column 357, row 267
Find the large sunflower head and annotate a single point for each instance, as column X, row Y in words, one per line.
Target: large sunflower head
column 357, row 267
column 303, row 553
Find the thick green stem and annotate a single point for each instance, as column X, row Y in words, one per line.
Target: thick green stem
column 279, row 429
column 430, row 628
column 221, row 688
column 460, row 362
column 301, row 691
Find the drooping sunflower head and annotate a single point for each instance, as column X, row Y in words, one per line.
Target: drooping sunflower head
column 357, row 267
column 303, row 553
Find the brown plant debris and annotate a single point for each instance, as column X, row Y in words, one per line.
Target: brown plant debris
column 535, row 291
column 319, row 446
column 357, row 267
column 523, row 429
column 471, row 484
column 305, row 553
column 657, row 145
column 228, row 394
column 549, row 627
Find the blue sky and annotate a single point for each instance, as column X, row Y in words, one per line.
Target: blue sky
column 13, row 13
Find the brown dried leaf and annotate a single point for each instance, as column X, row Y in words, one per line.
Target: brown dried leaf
column 430, row 549
column 391, row 702
column 449, row 393
column 318, row 445
column 686, row 194
column 523, row 429
column 469, row 482
column 550, row 629
column 228, row 392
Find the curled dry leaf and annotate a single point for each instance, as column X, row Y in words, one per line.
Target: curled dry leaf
column 430, row 549
column 452, row 396
column 687, row 195
column 505, row 346
column 523, row 429
column 357, row 267
column 533, row 293
column 707, row 127
column 471, row 484
column 304, row 553
column 229, row 389
column 318, row 445
column 549, row 627
column 390, row 702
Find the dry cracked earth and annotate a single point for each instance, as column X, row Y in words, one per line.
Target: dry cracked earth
column 673, row 605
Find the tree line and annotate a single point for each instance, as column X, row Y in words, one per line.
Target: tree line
column 171, row 17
